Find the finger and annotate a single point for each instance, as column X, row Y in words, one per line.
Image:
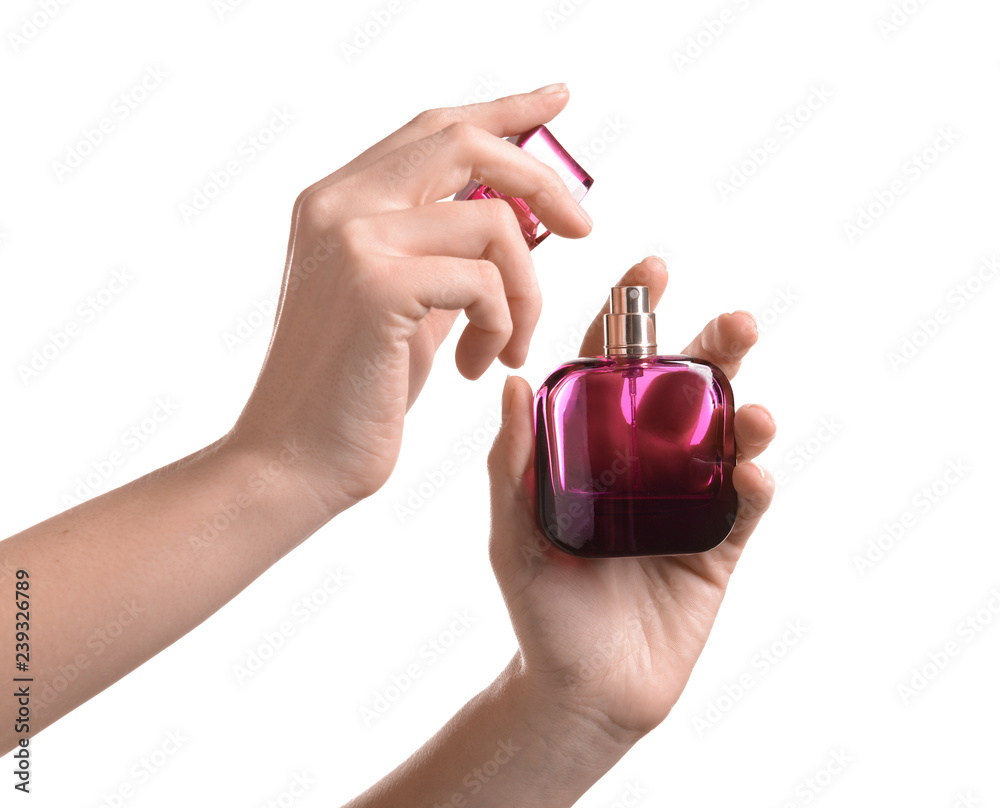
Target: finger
column 512, row 452
column 503, row 117
column 484, row 228
column 651, row 272
column 423, row 345
column 755, row 489
column 451, row 283
column 725, row 341
column 441, row 164
column 516, row 542
column 754, row 428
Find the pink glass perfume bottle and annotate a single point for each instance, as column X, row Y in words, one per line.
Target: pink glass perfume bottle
column 634, row 452
column 539, row 143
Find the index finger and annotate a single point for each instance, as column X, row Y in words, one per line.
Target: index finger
column 650, row 272
column 502, row 117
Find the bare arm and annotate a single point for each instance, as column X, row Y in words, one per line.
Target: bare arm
column 375, row 278
column 510, row 745
column 120, row 577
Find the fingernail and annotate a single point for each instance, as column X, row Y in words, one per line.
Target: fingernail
column 658, row 260
column 559, row 87
column 585, row 216
column 505, row 399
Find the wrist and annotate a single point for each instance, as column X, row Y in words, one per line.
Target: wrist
column 586, row 738
column 285, row 474
column 267, row 483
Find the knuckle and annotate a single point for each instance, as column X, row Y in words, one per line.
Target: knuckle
column 353, row 232
column 461, row 132
column 355, row 240
column 430, row 120
column 533, row 306
column 552, row 186
column 314, row 208
column 502, row 214
column 489, row 275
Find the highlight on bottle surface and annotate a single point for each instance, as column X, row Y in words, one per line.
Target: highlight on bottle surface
column 634, row 451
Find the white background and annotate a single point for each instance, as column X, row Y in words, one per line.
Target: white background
column 859, row 437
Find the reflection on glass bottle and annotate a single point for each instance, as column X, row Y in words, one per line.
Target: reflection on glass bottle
column 635, row 452
column 540, row 144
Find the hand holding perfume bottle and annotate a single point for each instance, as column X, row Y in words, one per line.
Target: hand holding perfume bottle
column 617, row 637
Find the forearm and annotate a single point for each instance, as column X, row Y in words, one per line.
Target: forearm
column 118, row 578
column 509, row 745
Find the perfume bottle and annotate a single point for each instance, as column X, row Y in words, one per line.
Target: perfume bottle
column 539, row 143
column 634, row 452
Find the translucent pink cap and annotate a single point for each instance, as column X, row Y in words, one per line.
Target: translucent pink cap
column 540, row 144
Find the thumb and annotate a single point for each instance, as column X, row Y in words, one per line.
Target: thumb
column 514, row 534
column 511, row 457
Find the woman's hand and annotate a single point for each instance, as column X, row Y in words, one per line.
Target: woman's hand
column 377, row 272
column 614, row 640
